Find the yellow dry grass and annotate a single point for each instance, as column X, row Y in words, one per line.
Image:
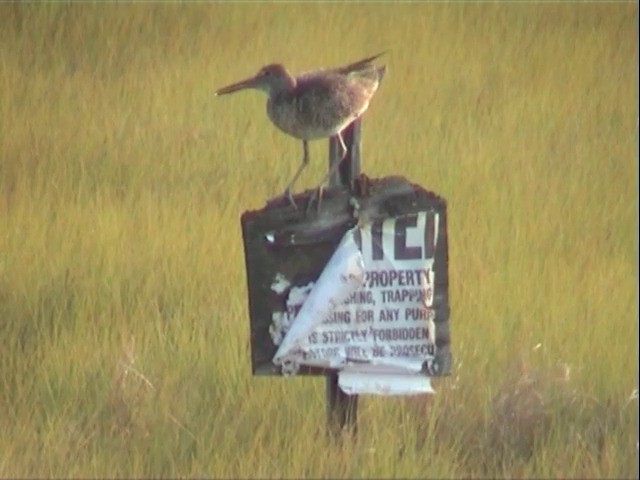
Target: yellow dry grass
column 123, row 311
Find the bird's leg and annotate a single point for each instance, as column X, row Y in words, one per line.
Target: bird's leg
column 343, row 146
column 305, row 161
column 317, row 195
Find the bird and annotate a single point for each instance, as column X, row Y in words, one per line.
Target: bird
column 316, row 104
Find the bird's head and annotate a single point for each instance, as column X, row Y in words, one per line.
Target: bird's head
column 271, row 79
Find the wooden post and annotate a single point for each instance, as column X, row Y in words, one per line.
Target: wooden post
column 342, row 409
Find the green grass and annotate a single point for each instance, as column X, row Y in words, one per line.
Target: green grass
column 123, row 311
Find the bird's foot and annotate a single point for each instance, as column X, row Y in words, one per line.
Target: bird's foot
column 289, row 197
column 315, row 197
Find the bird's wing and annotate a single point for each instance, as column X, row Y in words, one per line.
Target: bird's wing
column 359, row 66
column 331, row 99
column 322, row 95
column 363, row 64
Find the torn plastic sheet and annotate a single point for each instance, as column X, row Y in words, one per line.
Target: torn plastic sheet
column 370, row 314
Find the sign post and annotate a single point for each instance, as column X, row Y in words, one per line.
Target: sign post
column 342, row 409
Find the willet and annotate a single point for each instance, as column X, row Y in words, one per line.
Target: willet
column 316, row 104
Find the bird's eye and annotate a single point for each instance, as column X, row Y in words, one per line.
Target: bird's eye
column 266, row 72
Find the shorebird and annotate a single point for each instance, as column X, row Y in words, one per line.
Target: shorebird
column 316, row 104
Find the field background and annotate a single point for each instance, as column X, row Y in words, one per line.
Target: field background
column 123, row 304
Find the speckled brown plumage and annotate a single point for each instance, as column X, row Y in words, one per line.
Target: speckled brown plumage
column 315, row 104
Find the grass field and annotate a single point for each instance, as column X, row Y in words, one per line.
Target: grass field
column 123, row 304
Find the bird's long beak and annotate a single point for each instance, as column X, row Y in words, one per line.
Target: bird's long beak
column 247, row 83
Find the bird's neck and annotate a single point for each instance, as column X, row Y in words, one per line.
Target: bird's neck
column 284, row 84
column 287, row 84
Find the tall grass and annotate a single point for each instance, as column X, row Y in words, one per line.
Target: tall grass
column 123, row 316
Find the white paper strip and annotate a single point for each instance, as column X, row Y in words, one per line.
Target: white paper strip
column 356, row 383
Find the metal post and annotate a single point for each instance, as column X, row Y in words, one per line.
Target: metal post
column 342, row 409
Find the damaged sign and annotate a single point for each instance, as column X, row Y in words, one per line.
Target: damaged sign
column 367, row 299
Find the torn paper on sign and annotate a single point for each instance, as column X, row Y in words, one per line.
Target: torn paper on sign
column 280, row 284
column 371, row 307
column 343, row 274
column 281, row 321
